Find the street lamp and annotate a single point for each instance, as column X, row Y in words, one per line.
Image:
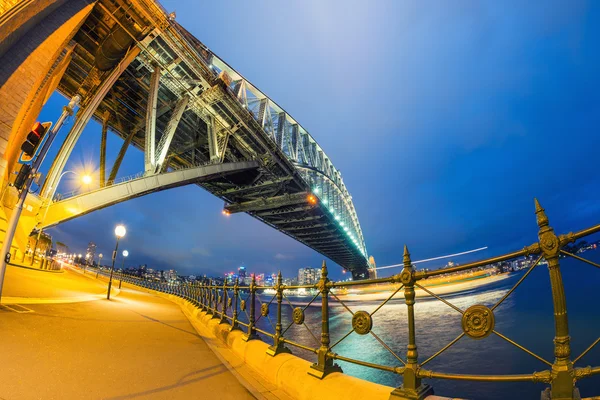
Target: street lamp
column 98, row 266
column 125, row 254
column 119, row 233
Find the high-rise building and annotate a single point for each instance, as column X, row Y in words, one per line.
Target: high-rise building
column 260, row 279
column 242, row 273
column 91, row 250
column 308, row 276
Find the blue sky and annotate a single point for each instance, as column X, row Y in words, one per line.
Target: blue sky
column 445, row 118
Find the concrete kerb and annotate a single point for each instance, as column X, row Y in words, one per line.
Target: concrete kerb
column 284, row 376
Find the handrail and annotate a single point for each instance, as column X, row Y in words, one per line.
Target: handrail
column 477, row 321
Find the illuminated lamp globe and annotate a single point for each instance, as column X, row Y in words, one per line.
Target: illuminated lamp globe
column 125, row 253
column 120, row 231
column 87, row 179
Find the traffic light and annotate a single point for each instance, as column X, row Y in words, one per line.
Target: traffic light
column 34, row 138
column 22, row 176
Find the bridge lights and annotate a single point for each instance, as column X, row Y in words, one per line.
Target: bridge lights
column 312, row 199
column 226, row 212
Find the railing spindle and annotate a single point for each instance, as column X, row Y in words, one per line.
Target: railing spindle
column 278, row 346
column 324, row 364
column 223, row 319
column 411, row 388
column 236, row 291
column 562, row 385
column 251, row 334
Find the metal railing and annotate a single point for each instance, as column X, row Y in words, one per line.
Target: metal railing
column 227, row 301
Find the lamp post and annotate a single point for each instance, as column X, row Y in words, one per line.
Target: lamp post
column 98, row 266
column 87, row 257
column 119, row 233
column 125, row 254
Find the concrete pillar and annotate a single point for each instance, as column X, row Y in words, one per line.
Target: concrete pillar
column 34, row 37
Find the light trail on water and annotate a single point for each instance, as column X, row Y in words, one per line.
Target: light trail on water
column 435, row 258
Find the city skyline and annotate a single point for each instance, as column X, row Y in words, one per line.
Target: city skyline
column 412, row 178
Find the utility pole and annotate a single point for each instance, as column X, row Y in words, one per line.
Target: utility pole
column 14, row 217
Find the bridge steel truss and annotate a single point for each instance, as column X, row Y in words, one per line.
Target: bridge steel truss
column 145, row 78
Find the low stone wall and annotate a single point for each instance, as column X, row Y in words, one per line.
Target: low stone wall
column 286, row 373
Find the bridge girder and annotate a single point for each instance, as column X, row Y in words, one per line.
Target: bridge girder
column 97, row 199
column 227, row 120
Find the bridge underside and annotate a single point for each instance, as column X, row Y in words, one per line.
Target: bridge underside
column 145, row 78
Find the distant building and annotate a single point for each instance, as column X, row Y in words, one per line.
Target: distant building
column 372, row 268
column 91, row 252
column 308, row 276
column 61, row 248
column 260, row 279
column 170, row 275
column 242, row 273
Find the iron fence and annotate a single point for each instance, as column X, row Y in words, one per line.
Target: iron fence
column 228, row 302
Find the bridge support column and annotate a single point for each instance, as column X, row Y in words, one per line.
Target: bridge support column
column 165, row 141
column 105, row 118
column 213, row 144
column 150, row 151
column 120, row 156
column 81, row 119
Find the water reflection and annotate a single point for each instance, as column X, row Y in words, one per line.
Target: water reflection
column 525, row 316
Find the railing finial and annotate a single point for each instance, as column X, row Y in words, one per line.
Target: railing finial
column 542, row 219
column 406, row 258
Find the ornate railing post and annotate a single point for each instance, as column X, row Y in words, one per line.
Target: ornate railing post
column 278, row 346
column 209, row 297
column 324, row 364
column 563, row 382
column 411, row 388
column 204, row 294
column 215, row 297
column 224, row 304
column 236, row 291
column 251, row 334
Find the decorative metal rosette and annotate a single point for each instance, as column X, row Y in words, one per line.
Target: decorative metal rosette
column 243, row 305
column 229, row 301
column 362, row 323
column 298, row 316
column 264, row 310
column 478, row 321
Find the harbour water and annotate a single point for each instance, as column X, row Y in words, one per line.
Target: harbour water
column 526, row 317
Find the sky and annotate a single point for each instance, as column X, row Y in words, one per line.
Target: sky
column 446, row 119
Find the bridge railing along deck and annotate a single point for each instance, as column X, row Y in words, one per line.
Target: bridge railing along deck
column 228, row 302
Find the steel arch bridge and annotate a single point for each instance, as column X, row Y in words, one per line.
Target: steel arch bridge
column 147, row 79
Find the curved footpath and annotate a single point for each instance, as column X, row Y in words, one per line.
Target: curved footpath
column 135, row 346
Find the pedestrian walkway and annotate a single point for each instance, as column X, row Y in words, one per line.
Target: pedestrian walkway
column 135, row 346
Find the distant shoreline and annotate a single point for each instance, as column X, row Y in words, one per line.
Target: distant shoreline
column 439, row 286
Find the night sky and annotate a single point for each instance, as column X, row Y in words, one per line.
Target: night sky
column 446, row 119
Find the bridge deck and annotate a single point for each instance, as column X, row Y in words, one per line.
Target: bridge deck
column 135, row 346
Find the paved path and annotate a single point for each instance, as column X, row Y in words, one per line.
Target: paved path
column 32, row 283
column 135, row 346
